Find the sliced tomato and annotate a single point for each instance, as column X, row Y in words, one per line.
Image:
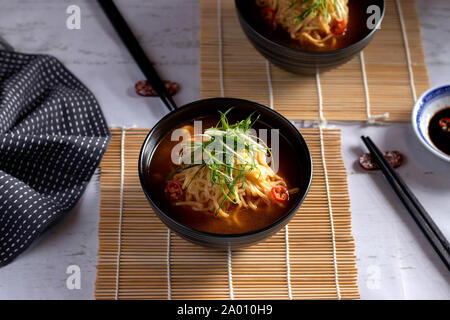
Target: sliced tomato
column 173, row 191
column 280, row 193
column 339, row 27
column 444, row 123
column 268, row 15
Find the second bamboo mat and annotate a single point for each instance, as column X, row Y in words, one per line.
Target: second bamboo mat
column 138, row 258
column 392, row 83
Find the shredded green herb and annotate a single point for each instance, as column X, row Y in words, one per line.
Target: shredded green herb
column 222, row 149
column 313, row 8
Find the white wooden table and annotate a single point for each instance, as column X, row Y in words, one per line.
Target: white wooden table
column 395, row 261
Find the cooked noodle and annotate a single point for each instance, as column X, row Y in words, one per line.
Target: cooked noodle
column 245, row 180
column 311, row 22
column 255, row 192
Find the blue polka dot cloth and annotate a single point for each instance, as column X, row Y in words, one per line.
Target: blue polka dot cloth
column 52, row 137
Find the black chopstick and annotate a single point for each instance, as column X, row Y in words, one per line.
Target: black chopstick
column 419, row 214
column 412, row 198
column 137, row 52
column 6, row 46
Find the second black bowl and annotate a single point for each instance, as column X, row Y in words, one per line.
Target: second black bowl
column 301, row 61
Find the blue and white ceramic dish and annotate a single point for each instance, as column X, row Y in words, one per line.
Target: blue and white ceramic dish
column 429, row 103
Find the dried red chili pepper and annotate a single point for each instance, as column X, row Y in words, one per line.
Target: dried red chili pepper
column 143, row 88
column 280, row 193
column 444, row 123
column 268, row 15
column 173, row 191
column 339, row 27
column 395, row 158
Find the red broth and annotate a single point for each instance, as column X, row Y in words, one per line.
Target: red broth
column 240, row 221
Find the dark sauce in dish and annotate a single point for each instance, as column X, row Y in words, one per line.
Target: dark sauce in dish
column 356, row 28
column 244, row 220
column 439, row 137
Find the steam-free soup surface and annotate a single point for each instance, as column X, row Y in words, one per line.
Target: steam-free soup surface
column 241, row 221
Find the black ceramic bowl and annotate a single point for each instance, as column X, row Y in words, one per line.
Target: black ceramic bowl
column 240, row 108
column 295, row 60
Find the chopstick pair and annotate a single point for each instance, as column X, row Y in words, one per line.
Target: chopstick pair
column 416, row 210
column 137, row 52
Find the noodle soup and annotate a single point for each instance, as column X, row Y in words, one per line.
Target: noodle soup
column 185, row 192
column 298, row 26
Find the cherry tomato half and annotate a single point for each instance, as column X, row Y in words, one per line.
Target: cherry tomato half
column 173, row 191
column 268, row 15
column 339, row 27
column 280, row 193
column 444, row 123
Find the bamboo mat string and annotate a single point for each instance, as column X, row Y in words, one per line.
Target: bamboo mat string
column 330, row 211
column 230, row 274
column 322, row 121
column 322, row 125
column 169, row 285
column 370, row 118
column 119, row 237
column 286, row 231
column 288, row 262
column 408, row 54
column 220, row 35
column 269, row 84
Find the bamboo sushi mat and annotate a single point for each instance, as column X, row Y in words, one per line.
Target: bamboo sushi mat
column 381, row 83
column 138, row 258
